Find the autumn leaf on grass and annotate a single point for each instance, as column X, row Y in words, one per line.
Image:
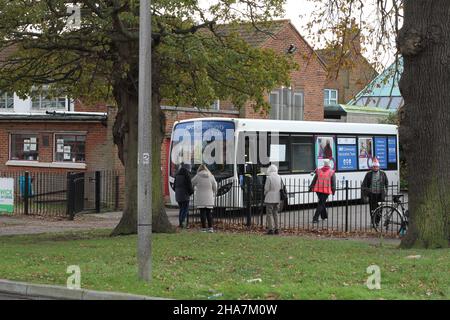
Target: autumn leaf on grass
column 272, row 296
column 414, row 257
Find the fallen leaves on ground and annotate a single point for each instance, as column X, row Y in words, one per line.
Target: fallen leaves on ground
column 320, row 233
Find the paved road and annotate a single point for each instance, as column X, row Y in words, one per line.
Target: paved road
column 5, row 296
column 8, row 296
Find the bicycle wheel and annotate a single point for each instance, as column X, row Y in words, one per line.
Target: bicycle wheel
column 387, row 219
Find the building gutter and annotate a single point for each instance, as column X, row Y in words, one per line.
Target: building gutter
column 54, row 116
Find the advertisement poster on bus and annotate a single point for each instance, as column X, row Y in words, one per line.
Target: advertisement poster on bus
column 392, row 146
column 325, row 149
column 365, row 152
column 381, row 151
column 6, row 195
column 347, row 154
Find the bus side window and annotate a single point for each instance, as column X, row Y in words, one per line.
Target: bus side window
column 302, row 154
column 280, row 151
column 251, row 148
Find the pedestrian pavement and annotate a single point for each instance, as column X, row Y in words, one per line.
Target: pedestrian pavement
column 13, row 290
column 22, row 224
column 300, row 219
column 6, row 296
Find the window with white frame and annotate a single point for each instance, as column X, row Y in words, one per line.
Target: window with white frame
column 330, row 97
column 6, row 101
column 42, row 101
column 215, row 105
column 286, row 104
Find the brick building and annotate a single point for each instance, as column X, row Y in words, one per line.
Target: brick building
column 302, row 101
column 348, row 73
column 57, row 134
column 41, row 134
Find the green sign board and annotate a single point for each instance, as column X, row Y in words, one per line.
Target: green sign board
column 6, row 195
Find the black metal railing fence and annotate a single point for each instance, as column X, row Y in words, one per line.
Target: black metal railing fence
column 63, row 194
column 243, row 205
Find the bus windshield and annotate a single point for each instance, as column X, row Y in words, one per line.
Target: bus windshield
column 209, row 142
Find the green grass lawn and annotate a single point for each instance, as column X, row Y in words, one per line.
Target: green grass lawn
column 192, row 265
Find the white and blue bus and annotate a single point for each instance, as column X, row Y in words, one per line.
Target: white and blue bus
column 297, row 148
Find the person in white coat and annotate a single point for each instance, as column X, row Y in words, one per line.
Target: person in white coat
column 272, row 198
column 205, row 189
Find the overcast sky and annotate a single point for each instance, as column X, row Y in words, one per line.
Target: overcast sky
column 297, row 8
column 299, row 12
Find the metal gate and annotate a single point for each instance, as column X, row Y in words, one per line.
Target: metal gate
column 92, row 192
column 75, row 193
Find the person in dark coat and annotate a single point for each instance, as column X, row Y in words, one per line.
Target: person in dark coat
column 374, row 186
column 183, row 192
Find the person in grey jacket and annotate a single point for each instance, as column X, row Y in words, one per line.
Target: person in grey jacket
column 272, row 198
column 205, row 189
column 183, row 191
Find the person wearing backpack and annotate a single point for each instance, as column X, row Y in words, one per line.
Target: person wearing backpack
column 272, row 198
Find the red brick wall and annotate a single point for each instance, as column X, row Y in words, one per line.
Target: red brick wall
column 80, row 106
column 172, row 116
column 311, row 76
column 351, row 80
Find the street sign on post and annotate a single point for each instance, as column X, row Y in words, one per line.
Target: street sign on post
column 144, row 144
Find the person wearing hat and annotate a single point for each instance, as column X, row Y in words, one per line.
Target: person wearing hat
column 374, row 186
column 323, row 184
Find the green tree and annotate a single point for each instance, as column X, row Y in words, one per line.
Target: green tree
column 195, row 61
column 419, row 30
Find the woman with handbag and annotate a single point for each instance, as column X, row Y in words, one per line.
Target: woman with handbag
column 272, row 198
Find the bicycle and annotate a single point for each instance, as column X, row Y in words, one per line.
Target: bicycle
column 389, row 218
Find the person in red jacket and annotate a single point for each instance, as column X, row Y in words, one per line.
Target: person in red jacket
column 323, row 184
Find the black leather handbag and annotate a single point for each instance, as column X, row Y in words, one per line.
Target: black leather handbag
column 283, row 192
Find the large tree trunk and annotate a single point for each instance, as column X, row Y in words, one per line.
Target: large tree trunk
column 126, row 137
column 425, row 122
